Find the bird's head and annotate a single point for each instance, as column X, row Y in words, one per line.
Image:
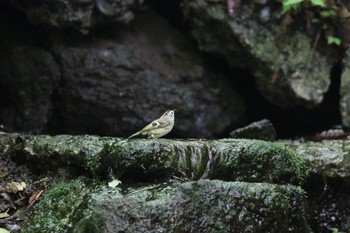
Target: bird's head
column 170, row 113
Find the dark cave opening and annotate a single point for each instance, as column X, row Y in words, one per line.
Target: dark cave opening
column 171, row 10
column 292, row 122
column 289, row 123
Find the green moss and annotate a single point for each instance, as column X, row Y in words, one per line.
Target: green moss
column 159, row 159
column 40, row 146
column 82, row 151
column 228, row 159
column 205, row 206
column 289, row 160
column 57, row 208
column 202, row 206
column 62, row 149
column 87, row 221
column 93, row 156
column 255, row 160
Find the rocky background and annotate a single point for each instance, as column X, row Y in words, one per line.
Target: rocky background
column 108, row 67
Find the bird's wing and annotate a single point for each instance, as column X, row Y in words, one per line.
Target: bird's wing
column 156, row 124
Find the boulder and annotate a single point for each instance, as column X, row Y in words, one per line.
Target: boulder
column 262, row 130
column 200, row 206
column 28, row 78
column 289, row 70
column 328, row 158
column 345, row 93
column 161, row 159
column 113, row 83
column 328, row 184
column 117, row 85
column 80, row 14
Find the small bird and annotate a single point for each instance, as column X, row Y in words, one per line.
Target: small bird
column 159, row 127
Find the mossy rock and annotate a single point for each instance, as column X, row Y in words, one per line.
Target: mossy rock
column 197, row 206
column 226, row 159
column 59, row 206
column 161, row 159
column 328, row 158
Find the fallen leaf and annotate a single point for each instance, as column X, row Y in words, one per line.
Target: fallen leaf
column 4, row 214
column 114, row 183
column 343, row 12
column 35, row 196
column 3, row 174
column 13, row 187
column 278, row 73
column 43, row 180
column 2, row 230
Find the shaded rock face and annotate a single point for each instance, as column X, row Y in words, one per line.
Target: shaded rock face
column 148, row 160
column 81, row 14
column 204, row 206
column 329, row 158
column 289, row 72
column 201, row 206
column 114, row 83
column 262, row 130
column 28, row 77
column 345, row 93
column 328, row 184
column 329, row 202
column 116, row 86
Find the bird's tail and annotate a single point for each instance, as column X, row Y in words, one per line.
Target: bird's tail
column 134, row 135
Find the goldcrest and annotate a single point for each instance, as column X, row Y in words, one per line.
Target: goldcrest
column 159, row 127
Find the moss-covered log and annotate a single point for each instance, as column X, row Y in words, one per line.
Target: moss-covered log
column 197, row 206
column 140, row 159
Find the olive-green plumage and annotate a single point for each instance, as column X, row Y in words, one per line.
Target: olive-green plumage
column 159, row 127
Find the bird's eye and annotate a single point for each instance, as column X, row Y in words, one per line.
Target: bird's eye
column 169, row 113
